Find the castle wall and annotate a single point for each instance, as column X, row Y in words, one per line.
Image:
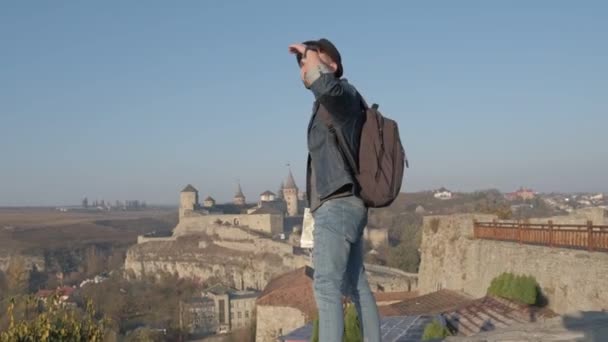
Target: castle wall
column 142, row 239
column 265, row 223
column 451, row 258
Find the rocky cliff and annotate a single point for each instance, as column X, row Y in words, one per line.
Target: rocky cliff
column 232, row 255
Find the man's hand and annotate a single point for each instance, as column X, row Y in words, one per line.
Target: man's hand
column 297, row 49
column 310, row 57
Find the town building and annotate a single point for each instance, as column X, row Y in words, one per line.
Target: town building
column 198, row 316
column 234, row 309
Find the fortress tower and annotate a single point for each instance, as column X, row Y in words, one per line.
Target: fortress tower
column 188, row 200
column 290, row 195
column 239, row 198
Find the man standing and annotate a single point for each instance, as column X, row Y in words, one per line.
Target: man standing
column 339, row 214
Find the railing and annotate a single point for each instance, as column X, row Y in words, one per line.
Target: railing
column 578, row 236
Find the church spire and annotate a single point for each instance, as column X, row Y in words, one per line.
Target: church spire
column 239, row 191
column 291, row 183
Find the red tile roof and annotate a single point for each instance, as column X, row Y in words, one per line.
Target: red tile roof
column 61, row 291
column 293, row 289
column 488, row 313
column 394, row 296
column 428, row 304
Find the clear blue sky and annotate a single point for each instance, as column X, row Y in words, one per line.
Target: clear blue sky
column 133, row 100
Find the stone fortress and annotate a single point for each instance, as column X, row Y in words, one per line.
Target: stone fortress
column 272, row 214
column 242, row 245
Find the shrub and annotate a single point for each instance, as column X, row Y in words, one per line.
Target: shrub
column 55, row 323
column 435, row 330
column 352, row 327
column 315, row 330
column 520, row 288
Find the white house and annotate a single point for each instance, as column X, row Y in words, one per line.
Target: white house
column 267, row 196
column 443, row 194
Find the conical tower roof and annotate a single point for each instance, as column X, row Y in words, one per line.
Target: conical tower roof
column 239, row 192
column 189, row 188
column 291, row 183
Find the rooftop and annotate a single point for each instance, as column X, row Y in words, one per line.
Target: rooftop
column 220, row 289
column 428, row 304
column 189, row 188
column 293, row 289
column 393, row 329
column 244, row 294
column 489, row 313
column 291, row 183
column 61, row 291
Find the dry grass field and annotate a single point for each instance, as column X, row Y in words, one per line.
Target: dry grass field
column 31, row 230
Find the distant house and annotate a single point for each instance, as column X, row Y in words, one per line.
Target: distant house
column 522, row 193
column 209, row 202
column 443, row 194
column 598, row 197
column 64, row 293
column 267, row 196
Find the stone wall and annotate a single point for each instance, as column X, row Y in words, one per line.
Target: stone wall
column 265, row 223
column 390, row 279
column 142, row 239
column 451, row 258
column 274, row 321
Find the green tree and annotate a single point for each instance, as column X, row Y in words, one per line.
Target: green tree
column 54, row 323
column 16, row 275
column 3, row 285
column 352, row 327
column 519, row 288
column 315, row 330
column 37, row 280
column 404, row 256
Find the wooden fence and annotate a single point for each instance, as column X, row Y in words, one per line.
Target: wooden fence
column 579, row 236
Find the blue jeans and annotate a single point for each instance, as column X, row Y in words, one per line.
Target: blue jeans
column 339, row 270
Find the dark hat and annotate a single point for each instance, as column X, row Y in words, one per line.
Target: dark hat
column 330, row 49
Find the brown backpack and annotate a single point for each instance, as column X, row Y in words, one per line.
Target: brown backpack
column 381, row 158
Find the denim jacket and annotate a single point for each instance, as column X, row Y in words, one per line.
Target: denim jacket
column 325, row 159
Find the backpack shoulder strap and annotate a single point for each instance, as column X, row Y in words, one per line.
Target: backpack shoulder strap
column 325, row 117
